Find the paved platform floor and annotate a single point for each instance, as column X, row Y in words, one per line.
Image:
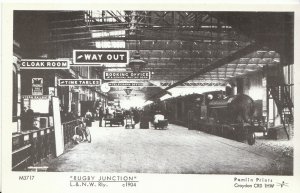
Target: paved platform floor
column 176, row 150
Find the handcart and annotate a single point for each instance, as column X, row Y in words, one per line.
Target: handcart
column 129, row 122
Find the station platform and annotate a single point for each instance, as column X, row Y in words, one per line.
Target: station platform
column 175, row 150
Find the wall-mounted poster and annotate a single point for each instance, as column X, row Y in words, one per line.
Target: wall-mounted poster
column 37, row 86
column 51, row 91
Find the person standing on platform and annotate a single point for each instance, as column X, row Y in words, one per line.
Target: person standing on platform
column 30, row 118
column 107, row 111
column 101, row 115
column 136, row 116
column 27, row 117
column 23, row 119
column 144, row 120
column 88, row 116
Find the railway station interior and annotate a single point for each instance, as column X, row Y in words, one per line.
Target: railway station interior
column 200, row 92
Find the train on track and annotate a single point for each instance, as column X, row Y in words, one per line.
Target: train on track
column 212, row 112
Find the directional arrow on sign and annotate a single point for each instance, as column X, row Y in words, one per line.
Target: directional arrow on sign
column 80, row 56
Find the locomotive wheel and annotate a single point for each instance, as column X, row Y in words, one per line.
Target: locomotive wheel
column 251, row 138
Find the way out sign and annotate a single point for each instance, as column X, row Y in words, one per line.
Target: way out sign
column 100, row 57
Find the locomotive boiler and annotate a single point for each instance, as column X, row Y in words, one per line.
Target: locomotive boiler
column 232, row 117
column 233, row 109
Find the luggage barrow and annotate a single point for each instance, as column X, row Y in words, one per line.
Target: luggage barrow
column 161, row 125
column 129, row 122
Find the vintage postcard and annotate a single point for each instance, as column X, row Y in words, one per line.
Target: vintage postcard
column 150, row 98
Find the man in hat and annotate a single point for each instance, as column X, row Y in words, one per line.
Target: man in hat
column 27, row 117
column 88, row 117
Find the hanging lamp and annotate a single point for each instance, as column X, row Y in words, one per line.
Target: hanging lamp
column 136, row 63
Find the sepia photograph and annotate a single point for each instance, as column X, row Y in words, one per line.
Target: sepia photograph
column 106, row 96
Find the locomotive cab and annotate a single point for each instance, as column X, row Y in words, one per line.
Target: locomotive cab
column 234, row 114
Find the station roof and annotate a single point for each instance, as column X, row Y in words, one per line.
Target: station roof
column 181, row 48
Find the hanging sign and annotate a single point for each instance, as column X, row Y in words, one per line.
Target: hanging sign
column 128, row 75
column 37, row 86
column 121, row 84
column 44, row 64
column 132, row 95
column 100, row 57
column 79, row 82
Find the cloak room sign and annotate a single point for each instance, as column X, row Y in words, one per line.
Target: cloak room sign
column 99, row 57
column 126, row 75
column 79, row 82
column 44, row 64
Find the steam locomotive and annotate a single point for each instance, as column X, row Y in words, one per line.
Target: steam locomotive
column 214, row 113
